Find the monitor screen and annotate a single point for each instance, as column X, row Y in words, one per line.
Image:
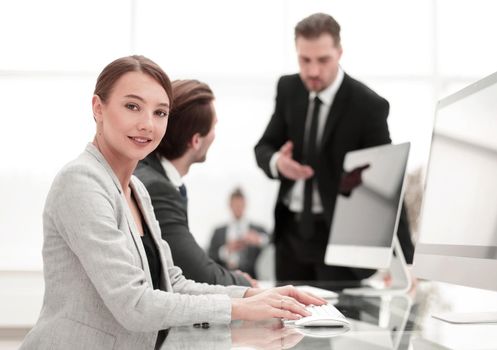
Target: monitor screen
column 458, row 228
column 368, row 207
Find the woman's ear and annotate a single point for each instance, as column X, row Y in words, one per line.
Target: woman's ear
column 97, row 104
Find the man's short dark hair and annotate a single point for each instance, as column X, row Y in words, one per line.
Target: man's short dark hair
column 319, row 23
column 192, row 113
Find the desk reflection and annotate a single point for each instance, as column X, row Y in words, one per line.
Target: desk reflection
column 377, row 323
column 270, row 334
column 189, row 337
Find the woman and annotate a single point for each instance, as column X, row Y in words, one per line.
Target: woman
column 110, row 282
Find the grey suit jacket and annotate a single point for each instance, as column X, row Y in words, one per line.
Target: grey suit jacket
column 172, row 212
column 98, row 288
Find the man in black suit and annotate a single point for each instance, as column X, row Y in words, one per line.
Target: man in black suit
column 320, row 114
column 237, row 244
column 189, row 134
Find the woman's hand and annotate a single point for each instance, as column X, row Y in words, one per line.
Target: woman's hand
column 283, row 302
column 305, row 298
column 264, row 335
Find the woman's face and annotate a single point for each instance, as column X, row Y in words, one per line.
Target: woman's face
column 134, row 118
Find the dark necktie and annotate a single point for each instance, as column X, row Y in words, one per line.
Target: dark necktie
column 310, row 158
column 182, row 191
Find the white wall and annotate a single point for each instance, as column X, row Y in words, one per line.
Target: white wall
column 411, row 52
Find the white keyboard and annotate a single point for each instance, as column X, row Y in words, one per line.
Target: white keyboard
column 322, row 316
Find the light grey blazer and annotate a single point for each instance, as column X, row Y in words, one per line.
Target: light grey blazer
column 98, row 288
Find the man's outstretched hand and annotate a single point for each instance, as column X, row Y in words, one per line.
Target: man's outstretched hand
column 290, row 168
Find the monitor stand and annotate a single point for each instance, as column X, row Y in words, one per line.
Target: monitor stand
column 401, row 277
column 467, row 317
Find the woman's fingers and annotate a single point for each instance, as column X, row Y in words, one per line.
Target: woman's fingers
column 315, row 297
column 303, row 297
column 294, row 306
column 308, row 298
column 289, row 308
column 286, row 314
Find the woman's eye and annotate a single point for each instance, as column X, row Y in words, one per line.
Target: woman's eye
column 132, row 106
column 162, row 114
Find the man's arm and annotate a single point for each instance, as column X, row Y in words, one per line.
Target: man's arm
column 273, row 137
column 187, row 254
column 274, row 151
column 375, row 127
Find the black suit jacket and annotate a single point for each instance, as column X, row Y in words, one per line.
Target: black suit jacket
column 171, row 211
column 357, row 119
column 248, row 255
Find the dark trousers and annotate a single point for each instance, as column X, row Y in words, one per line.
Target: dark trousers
column 301, row 259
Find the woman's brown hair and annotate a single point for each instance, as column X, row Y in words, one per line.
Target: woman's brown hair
column 116, row 69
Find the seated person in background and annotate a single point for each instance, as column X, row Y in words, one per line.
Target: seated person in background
column 189, row 134
column 237, row 244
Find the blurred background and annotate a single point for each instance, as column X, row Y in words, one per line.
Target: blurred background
column 411, row 52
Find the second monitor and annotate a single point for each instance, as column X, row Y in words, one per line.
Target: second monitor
column 367, row 212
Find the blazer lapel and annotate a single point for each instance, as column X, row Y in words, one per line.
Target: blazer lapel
column 337, row 109
column 224, row 234
column 147, row 210
column 129, row 217
column 136, row 236
column 153, row 161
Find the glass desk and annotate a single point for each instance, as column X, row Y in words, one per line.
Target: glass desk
column 389, row 322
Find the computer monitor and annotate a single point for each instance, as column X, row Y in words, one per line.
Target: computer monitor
column 367, row 211
column 458, row 227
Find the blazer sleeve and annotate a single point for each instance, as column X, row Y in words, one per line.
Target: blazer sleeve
column 375, row 127
column 171, row 213
column 85, row 212
column 275, row 135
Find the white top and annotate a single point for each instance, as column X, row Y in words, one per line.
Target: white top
column 172, row 173
column 235, row 230
column 295, row 198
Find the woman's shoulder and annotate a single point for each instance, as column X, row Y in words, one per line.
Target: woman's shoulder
column 85, row 173
column 84, row 166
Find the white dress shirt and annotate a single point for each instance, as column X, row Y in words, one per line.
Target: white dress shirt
column 236, row 230
column 172, row 173
column 295, row 198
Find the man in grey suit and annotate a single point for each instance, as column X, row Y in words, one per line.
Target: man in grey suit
column 188, row 137
column 237, row 244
